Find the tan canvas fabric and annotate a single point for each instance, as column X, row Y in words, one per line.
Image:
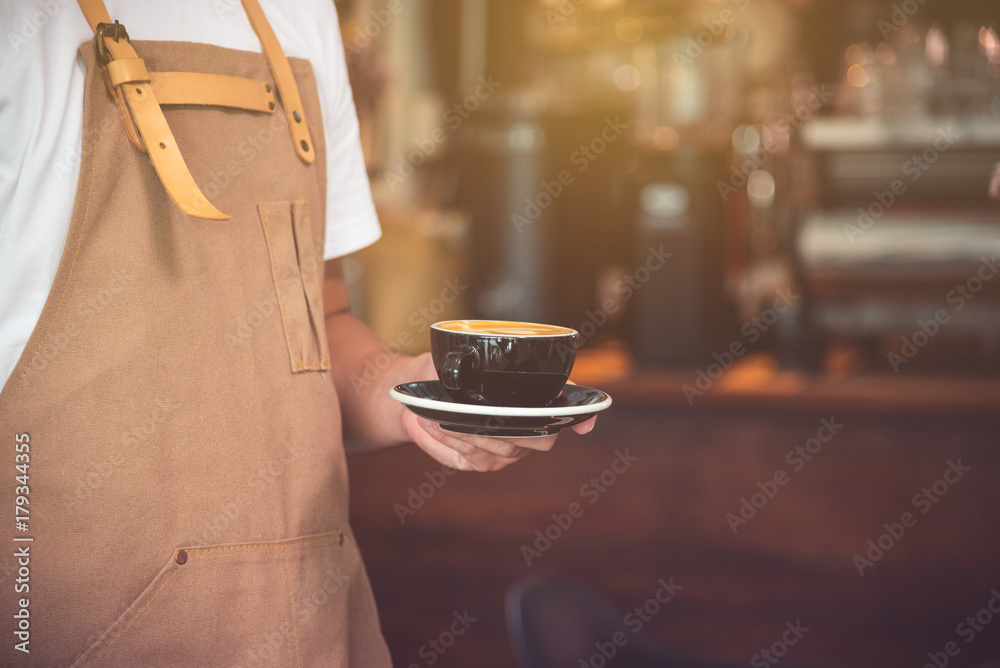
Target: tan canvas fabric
column 187, row 490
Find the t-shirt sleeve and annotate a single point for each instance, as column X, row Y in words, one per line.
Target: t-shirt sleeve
column 351, row 220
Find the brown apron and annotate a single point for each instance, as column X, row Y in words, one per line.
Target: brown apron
column 173, row 466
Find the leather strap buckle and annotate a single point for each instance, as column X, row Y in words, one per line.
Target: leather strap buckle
column 115, row 31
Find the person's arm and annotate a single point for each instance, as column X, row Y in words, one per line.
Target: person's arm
column 373, row 420
column 995, row 182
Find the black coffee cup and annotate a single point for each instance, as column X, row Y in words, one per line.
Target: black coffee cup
column 502, row 363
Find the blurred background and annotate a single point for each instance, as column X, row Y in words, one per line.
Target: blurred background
column 760, row 215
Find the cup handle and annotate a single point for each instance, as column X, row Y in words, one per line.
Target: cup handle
column 451, row 368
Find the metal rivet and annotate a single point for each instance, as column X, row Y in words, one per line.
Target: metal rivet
column 305, row 145
column 267, row 87
column 162, row 145
column 297, row 116
column 270, row 105
column 181, row 557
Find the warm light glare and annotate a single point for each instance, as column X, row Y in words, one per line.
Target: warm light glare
column 937, row 47
column 885, row 54
column 760, row 188
column 856, row 55
column 746, row 138
column 629, row 29
column 856, row 76
column 665, row 138
column 628, row 77
column 990, row 44
column 777, row 137
column 665, row 200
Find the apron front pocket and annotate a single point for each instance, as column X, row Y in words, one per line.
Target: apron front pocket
column 284, row 603
column 297, row 271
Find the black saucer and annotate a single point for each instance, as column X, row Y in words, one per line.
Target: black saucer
column 430, row 400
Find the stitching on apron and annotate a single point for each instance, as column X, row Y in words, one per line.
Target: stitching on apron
column 62, row 297
column 304, row 365
column 241, row 57
column 324, row 353
column 244, row 58
column 135, row 618
column 310, row 365
column 295, row 632
column 266, row 545
column 286, row 594
column 246, row 554
column 277, row 286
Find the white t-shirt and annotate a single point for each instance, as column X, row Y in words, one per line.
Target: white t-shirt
column 41, row 128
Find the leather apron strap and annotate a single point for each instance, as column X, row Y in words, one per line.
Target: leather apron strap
column 282, row 73
column 214, row 90
column 127, row 79
column 140, row 95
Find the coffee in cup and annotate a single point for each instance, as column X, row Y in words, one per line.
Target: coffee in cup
column 503, row 363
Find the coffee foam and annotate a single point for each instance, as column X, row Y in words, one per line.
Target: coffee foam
column 503, row 328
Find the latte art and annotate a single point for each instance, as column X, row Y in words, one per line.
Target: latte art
column 503, row 328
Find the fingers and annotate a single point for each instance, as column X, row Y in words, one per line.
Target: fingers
column 439, row 451
column 462, row 451
column 471, row 452
column 484, row 453
column 468, row 444
column 585, row 427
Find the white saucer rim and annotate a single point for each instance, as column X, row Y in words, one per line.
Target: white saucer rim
column 501, row 411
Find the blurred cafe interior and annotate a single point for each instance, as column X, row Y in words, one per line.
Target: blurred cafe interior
column 771, row 223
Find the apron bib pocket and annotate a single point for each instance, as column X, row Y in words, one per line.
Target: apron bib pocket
column 297, row 271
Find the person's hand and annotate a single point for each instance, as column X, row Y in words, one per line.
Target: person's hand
column 372, row 420
column 468, row 452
